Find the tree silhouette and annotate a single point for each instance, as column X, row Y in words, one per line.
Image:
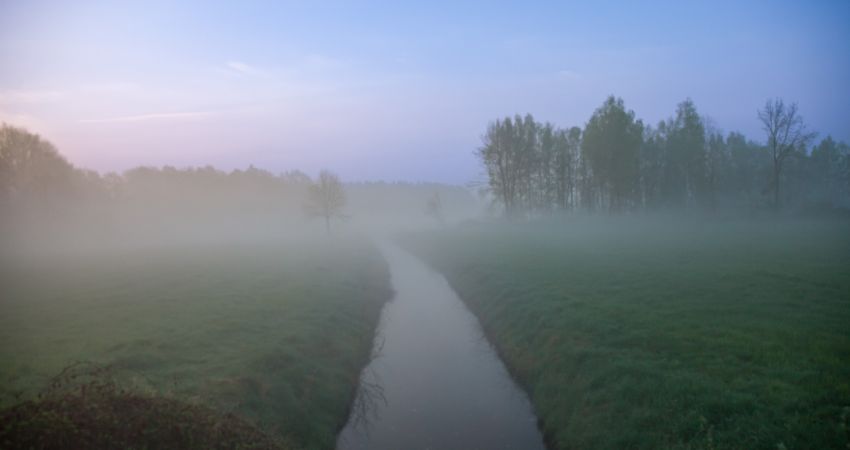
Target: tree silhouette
column 611, row 143
column 785, row 133
column 326, row 198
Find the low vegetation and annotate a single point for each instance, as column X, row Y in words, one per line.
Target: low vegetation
column 263, row 342
column 682, row 334
column 83, row 407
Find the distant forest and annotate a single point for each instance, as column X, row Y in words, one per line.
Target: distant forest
column 42, row 194
column 618, row 164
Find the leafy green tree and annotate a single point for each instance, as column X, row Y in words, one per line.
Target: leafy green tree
column 611, row 142
column 545, row 181
column 828, row 174
column 716, row 167
column 653, row 164
column 749, row 170
column 528, row 158
column 567, row 158
column 685, row 182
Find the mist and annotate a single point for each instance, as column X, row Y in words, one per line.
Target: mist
column 388, row 226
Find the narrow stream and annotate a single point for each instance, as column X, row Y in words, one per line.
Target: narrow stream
column 435, row 383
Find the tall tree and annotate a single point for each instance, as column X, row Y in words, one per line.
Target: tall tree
column 686, row 157
column 546, row 167
column 716, row 167
column 828, row 174
column 653, row 164
column 508, row 152
column 497, row 155
column 611, row 142
column 749, row 170
column 786, row 132
column 566, row 147
column 527, row 154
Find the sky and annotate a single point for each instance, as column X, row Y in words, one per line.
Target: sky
column 391, row 90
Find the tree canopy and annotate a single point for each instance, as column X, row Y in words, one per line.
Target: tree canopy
column 617, row 164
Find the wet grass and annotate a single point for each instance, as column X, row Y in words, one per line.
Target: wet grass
column 650, row 335
column 274, row 334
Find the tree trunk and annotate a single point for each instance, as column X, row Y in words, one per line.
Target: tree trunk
column 776, row 185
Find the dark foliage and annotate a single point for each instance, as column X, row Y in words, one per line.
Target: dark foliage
column 84, row 408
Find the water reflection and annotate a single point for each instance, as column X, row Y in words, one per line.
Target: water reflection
column 435, row 382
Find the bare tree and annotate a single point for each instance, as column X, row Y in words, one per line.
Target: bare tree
column 434, row 208
column 785, row 132
column 326, row 198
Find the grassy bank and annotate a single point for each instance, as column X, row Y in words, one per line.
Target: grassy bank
column 276, row 334
column 643, row 334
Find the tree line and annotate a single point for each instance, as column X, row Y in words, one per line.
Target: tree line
column 617, row 163
column 42, row 193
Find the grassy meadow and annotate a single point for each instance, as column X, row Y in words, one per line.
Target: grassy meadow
column 276, row 334
column 647, row 334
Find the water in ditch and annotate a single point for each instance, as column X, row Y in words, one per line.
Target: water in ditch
column 435, row 382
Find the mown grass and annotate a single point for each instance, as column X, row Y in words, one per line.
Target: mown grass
column 646, row 334
column 275, row 334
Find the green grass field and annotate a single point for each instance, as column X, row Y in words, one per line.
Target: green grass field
column 277, row 334
column 651, row 335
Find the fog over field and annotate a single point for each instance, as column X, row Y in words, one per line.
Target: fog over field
column 280, row 225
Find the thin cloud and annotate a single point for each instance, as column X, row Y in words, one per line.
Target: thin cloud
column 71, row 93
column 244, row 68
column 152, row 117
